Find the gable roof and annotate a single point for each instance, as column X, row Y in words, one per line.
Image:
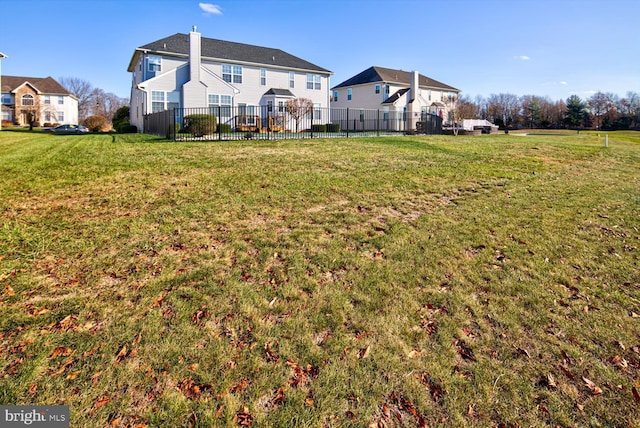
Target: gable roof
column 388, row 75
column 44, row 85
column 279, row 92
column 396, row 96
column 178, row 44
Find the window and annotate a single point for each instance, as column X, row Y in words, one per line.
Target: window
column 232, row 73
column 335, row 95
column 47, row 116
column 47, row 99
column 269, row 106
column 280, row 106
column 6, row 98
column 317, row 112
column 429, row 94
column 157, row 101
column 60, row 99
column 313, row 81
column 173, row 100
column 226, row 73
column 60, row 116
column 222, row 101
column 292, row 81
column 225, row 105
column 386, row 91
column 349, row 94
column 237, row 74
column 6, row 115
column 27, row 100
column 154, row 63
column 263, row 77
column 377, row 89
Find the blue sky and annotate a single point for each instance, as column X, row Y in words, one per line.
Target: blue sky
column 552, row 48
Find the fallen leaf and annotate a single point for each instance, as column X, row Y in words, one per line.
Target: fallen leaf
column 551, row 382
column 414, row 354
column 595, row 390
column 464, row 350
column 193, row 366
column 60, row 351
column 102, row 401
column 73, row 375
column 243, row 417
column 364, row 352
column 122, row 353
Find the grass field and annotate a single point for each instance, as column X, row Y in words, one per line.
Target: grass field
column 384, row 282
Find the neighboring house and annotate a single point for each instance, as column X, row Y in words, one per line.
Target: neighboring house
column 37, row 101
column 189, row 71
column 479, row 125
column 397, row 93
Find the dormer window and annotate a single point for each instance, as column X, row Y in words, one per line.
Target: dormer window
column 27, row 100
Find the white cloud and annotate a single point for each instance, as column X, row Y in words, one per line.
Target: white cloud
column 563, row 83
column 210, row 9
column 522, row 57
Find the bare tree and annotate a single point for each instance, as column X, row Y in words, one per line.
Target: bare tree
column 82, row 90
column 299, row 108
column 466, row 109
column 503, row 108
column 105, row 103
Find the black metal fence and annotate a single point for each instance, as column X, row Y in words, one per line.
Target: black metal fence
column 271, row 123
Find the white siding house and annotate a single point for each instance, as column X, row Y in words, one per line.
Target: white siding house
column 397, row 93
column 37, row 100
column 189, row 71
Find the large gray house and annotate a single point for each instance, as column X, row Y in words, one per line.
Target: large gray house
column 187, row 70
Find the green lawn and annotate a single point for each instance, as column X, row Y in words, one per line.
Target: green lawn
column 385, row 282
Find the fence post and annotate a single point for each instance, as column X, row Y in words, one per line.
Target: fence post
column 347, row 122
column 312, row 114
column 378, row 123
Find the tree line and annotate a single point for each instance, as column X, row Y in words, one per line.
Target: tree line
column 97, row 109
column 600, row 111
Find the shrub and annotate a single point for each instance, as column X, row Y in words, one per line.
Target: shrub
column 47, row 124
column 97, row 123
column 318, row 128
column 120, row 117
column 200, row 124
column 7, row 123
column 225, row 128
column 128, row 129
column 333, row 127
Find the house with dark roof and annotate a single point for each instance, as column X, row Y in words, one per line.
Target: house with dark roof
column 190, row 71
column 40, row 101
column 397, row 93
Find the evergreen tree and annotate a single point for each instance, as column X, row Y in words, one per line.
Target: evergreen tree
column 576, row 111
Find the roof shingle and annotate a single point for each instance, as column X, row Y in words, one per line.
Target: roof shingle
column 231, row 52
column 389, row 75
column 45, row 85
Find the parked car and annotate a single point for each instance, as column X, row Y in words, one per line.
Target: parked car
column 67, row 128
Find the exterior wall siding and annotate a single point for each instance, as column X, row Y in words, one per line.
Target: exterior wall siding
column 249, row 92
